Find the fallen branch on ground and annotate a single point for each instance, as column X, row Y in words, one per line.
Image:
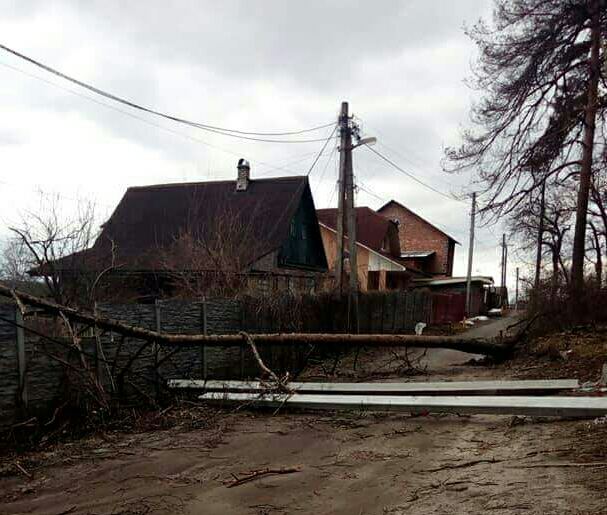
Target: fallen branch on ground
column 464, row 465
column 22, row 470
column 256, row 474
column 278, row 383
column 559, row 465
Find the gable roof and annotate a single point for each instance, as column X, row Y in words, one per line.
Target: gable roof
column 149, row 218
column 417, row 216
column 381, row 255
column 371, row 228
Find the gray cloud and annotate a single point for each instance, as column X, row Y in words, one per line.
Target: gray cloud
column 248, row 64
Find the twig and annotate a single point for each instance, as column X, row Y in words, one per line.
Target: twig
column 464, row 465
column 260, row 362
column 55, row 413
column 22, row 470
column 256, row 474
column 560, row 465
column 18, row 301
column 27, row 422
column 279, row 384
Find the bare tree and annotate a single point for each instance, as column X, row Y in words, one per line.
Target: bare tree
column 14, row 261
column 524, row 222
column 51, row 242
column 539, row 71
column 211, row 258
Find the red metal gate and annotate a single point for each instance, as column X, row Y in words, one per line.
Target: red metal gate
column 448, row 307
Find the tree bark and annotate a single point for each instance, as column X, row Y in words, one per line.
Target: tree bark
column 487, row 346
column 598, row 264
column 540, row 238
column 579, row 240
column 555, row 274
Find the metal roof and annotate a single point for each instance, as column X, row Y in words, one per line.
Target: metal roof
column 446, row 281
column 417, row 254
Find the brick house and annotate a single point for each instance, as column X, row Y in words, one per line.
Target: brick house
column 423, row 245
column 378, row 249
column 162, row 238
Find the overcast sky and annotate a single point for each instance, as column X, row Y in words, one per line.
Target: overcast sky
column 251, row 65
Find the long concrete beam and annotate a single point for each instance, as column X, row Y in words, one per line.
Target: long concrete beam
column 489, row 405
column 521, row 387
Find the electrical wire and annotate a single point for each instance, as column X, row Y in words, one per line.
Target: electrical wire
column 324, row 170
column 211, row 128
column 148, row 122
column 410, row 175
column 322, row 150
column 445, row 229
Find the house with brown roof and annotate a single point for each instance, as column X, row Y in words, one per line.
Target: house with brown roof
column 165, row 237
column 423, row 245
column 378, row 249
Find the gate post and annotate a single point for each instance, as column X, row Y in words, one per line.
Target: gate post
column 21, row 359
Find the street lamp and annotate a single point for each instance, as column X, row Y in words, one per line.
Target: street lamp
column 365, row 141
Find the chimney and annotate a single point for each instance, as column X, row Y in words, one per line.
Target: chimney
column 244, row 171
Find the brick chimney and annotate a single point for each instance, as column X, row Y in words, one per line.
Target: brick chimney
column 244, row 171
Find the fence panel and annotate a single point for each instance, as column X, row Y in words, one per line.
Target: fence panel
column 9, row 373
column 50, row 364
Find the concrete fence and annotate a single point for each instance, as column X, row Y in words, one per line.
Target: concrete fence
column 37, row 370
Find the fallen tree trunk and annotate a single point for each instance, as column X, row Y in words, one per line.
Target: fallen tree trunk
column 485, row 346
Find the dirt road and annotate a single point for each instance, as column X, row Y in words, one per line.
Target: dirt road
column 356, row 463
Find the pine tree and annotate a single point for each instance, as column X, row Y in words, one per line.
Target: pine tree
column 543, row 94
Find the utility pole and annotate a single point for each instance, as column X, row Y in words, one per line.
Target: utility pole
column 470, row 252
column 504, row 261
column 516, row 292
column 341, row 183
column 346, row 215
column 351, row 220
column 540, row 238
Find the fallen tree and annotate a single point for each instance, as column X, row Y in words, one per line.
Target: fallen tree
column 486, row 346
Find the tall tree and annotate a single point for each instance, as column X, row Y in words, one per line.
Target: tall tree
column 539, row 72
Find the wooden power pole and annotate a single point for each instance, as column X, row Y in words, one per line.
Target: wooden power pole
column 504, row 266
column 470, row 253
column 341, row 182
column 346, row 215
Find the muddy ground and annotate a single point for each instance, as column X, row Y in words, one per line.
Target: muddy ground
column 346, row 463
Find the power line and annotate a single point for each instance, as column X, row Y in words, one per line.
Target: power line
column 410, row 175
column 211, row 128
column 146, row 121
column 324, row 170
column 322, row 150
column 442, row 227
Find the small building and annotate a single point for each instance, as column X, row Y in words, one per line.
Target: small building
column 244, row 233
column 423, row 246
column 378, row 249
column 449, row 296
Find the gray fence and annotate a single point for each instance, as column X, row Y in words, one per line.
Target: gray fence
column 36, row 371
